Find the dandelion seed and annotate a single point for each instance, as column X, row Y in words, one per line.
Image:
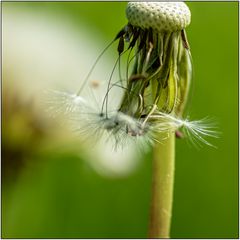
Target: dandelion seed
column 196, row 131
column 63, row 103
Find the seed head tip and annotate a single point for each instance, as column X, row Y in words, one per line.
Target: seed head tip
column 160, row 16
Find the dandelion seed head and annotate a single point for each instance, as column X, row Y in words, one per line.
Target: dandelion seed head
column 140, row 115
column 160, row 16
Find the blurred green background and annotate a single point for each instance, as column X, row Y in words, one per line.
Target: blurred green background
column 50, row 194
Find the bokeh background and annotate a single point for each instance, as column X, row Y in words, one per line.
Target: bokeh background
column 50, row 189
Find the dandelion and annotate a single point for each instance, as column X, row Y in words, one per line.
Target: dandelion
column 155, row 83
column 159, row 81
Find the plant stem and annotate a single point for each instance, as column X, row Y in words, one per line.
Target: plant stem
column 162, row 188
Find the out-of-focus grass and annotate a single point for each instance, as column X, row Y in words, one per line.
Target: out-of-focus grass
column 66, row 199
column 60, row 196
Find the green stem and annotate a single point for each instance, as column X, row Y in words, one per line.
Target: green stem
column 162, row 188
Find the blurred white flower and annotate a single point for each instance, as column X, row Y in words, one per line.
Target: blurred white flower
column 42, row 51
